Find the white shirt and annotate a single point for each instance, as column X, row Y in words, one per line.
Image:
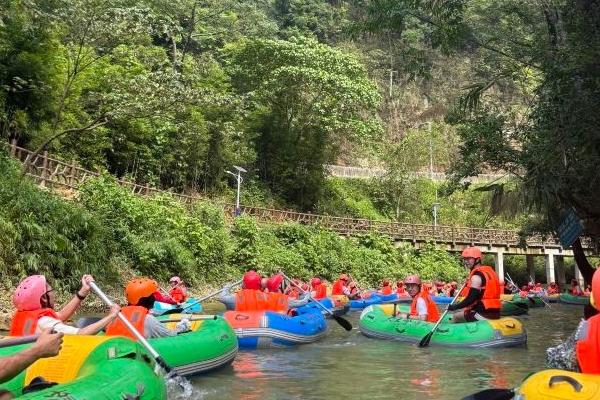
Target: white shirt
column 421, row 307
column 56, row 325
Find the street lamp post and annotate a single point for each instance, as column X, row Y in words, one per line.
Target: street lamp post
column 239, row 179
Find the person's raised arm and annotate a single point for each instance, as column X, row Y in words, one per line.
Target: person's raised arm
column 96, row 327
column 47, row 345
column 69, row 309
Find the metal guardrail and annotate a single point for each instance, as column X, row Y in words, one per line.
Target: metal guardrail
column 53, row 173
column 342, row 171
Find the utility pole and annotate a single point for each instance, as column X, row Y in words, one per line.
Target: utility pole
column 392, row 73
column 239, row 179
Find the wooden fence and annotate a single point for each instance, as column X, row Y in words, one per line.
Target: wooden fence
column 53, row 173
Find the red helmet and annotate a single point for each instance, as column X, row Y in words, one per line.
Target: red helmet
column 412, row 279
column 251, row 280
column 274, row 282
column 471, row 252
column 314, row 282
column 305, row 287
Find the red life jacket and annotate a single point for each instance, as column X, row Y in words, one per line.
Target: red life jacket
column 432, row 311
column 250, row 300
column 491, row 290
column 25, row 322
column 386, row 290
column 178, row 294
column 321, row 291
column 588, row 349
column 162, row 298
column 134, row 314
column 338, row 288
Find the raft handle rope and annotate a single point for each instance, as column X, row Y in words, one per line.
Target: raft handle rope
column 563, row 378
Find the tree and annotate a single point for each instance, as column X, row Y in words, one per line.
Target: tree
column 307, row 98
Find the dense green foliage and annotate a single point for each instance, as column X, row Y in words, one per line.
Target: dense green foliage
column 114, row 234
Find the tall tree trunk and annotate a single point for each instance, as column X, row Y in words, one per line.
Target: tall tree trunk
column 586, row 269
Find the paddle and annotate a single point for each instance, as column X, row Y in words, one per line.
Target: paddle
column 177, row 310
column 492, row 394
column 341, row 321
column 157, row 357
column 18, row 340
column 427, row 338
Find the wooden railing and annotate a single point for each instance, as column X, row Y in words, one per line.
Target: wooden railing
column 53, row 173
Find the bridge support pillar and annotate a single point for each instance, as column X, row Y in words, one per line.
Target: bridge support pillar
column 579, row 277
column 499, row 261
column 550, row 268
column 530, row 267
column 560, row 271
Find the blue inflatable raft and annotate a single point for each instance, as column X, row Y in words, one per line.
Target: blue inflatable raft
column 160, row 308
column 266, row 329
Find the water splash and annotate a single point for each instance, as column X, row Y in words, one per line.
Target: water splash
column 179, row 388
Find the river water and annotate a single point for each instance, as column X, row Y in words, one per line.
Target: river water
column 350, row 365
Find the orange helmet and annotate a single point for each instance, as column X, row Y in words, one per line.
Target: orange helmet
column 138, row 288
column 471, row 252
column 412, row 279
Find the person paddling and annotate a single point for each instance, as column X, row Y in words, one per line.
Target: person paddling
column 575, row 288
column 318, row 288
column 34, row 299
column 386, row 288
column 483, row 296
column 140, row 298
column 401, row 290
column 422, row 306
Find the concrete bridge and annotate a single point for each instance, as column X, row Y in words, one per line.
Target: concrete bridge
column 56, row 174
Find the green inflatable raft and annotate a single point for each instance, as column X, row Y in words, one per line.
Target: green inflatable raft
column 513, row 307
column 576, row 300
column 377, row 322
column 211, row 344
column 91, row 367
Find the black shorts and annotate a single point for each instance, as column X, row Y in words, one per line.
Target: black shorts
column 472, row 315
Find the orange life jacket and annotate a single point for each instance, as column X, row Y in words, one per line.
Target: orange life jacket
column 491, row 290
column 386, row 290
column 250, row 300
column 401, row 292
column 432, row 311
column 134, row 314
column 338, row 288
column 502, row 288
column 321, row 291
column 588, row 349
column 178, row 294
column 277, row 302
column 25, row 322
